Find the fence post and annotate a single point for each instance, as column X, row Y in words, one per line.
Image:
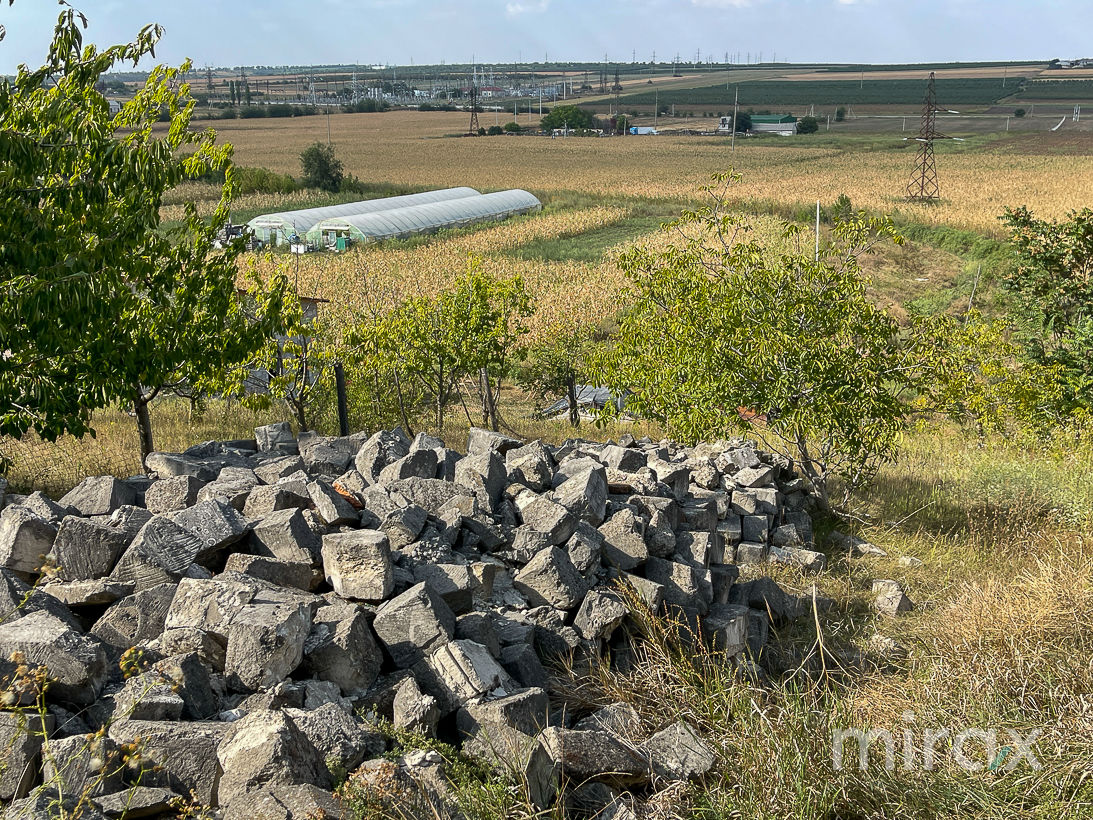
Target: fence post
column 343, row 403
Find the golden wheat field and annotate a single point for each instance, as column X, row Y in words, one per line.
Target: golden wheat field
column 408, row 148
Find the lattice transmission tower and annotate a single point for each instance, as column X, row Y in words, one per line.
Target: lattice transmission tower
column 923, row 186
column 473, row 128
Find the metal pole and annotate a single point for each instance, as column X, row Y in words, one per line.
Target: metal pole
column 343, row 403
column 735, row 104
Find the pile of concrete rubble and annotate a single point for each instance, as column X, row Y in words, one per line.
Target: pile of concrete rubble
column 252, row 620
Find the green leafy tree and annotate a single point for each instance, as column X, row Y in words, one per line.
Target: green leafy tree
column 840, row 114
column 468, row 330
column 321, row 168
column 807, row 125
column 743, row 122
column 495, row 131
column 556, row 361
column 512, row 127
column 1053, row 279
column 98, row 304
column 724, row 333
column 568, row 116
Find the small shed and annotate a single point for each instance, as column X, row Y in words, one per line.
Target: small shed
column 277, row 228
column 783, row 125
column 425, row 218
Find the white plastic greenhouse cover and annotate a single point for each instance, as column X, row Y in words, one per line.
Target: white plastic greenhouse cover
column 301, row 221
column 431, row 216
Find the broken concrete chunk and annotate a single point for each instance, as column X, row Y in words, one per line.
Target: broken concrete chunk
column 550, row 579
column 891, row 599
column 624, row 544
column 414, row 624
column 480, row 441
column 413, row 710
column 331, row 506
column 99, row 495
column 678, row 753
column 25, row 540
column 584, row 494
column 136, row 618
column 265, row 644
column 466, row 670
column 601, row 612
column 276, row 438
column 358, row 564
column 595, row 755
column 543, row 515
column 76, row 663
column 285, row 534
column 267, row 748
column 484, row 473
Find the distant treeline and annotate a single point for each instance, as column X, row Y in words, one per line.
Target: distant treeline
column 1077, row 90
column 860, row 67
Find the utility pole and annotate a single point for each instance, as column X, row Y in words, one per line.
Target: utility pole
column 735, row 106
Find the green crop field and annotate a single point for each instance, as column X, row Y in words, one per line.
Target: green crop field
column 1057, row 90
column 964, row 91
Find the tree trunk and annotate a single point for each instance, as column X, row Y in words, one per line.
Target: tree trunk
column 440, row 401
column 484, row 389
column 144, row 426
column 571, row 394
column 401, row 404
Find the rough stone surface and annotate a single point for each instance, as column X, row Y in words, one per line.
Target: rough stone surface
column 600, row 614
column 266, row 643
column 76, row 663
column 358, row 564
column 891, row 599
column 98, row 495
column 677, row 753
column 25, row 539
column 624, row 544
column 550, row 579
column 414, row 624
column 341, row 648
column 86, row 549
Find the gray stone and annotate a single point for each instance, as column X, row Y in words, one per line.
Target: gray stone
column 531, row 469
column 25, row 539
column 601, row 612
column 681, row 584
column 543, row 515
column 414, row 624
column 404, row 524
column 281, row 802
column 45, row 507
column 187, row 640
column 455, row 583
column 758, row 476
column 24, row 734
column 480, row 441
column 809, row 561
column 137, row 801
column 659, row 536
column 18, row 599
column 584, row 547
column 147, row 696
column 523, row 664
column 619, row 718
column 621, row 458
column 168, row 495
column 342, row 649
column 136, row 618
column 699, row 549
column 76, row 594
column 267, row 748
column 194, row 679
column 380, row 450
column 466, row 670
column 331, row 507
column 98, row 495
column 266, row 643
column 84, row 765
column 483, row 472
column 584, row 494
column 527, row 711
column 326, row 459
column 891, row 599
column 754, row 528
column 765, row 595
column 478, row 627
column 413, row 710
column 750, row 552
column 650, row 592
column 285, row 534
column 624, row 540
column 342, row 742
column 699, row 514
column 275, row 438
column 85, row 549
column 676, row 476
column 677, row 753
column 273, row 470
column 418, row 464
column 76, row 663
column 267, row 498
column 595, row 755
column 725, row 628
column 358, row 564
column 274, row 570
column 161, row 553
column 550, row 579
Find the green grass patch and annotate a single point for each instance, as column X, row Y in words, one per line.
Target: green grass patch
column 592, row 246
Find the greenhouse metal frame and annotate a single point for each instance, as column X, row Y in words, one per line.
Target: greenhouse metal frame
column 278, row 228
column 425, row 218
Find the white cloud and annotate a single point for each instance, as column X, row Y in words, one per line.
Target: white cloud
column 514, row 9
column 723, row 4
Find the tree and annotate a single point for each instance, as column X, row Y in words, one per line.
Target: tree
column 98, row 304
column 807, row 125
column 556, row 361
column 321, row 168
column 568, row 116
column 742, row 123
column 840, row 114
column 726, row 335
column 512, row 127
column 1053, row 279
column 495, row 131
column 1019, row 112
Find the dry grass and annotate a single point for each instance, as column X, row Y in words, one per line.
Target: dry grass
column 402, row 148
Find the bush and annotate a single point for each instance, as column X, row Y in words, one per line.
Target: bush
column 1020, row 112
column 807, row 125
column 512, row 127
column 495, row 131
column 321, row 169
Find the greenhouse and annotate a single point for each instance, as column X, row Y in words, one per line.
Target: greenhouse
column 278, row 228
column 426, row 218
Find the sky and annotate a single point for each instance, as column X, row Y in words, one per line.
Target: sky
column 405, row 32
